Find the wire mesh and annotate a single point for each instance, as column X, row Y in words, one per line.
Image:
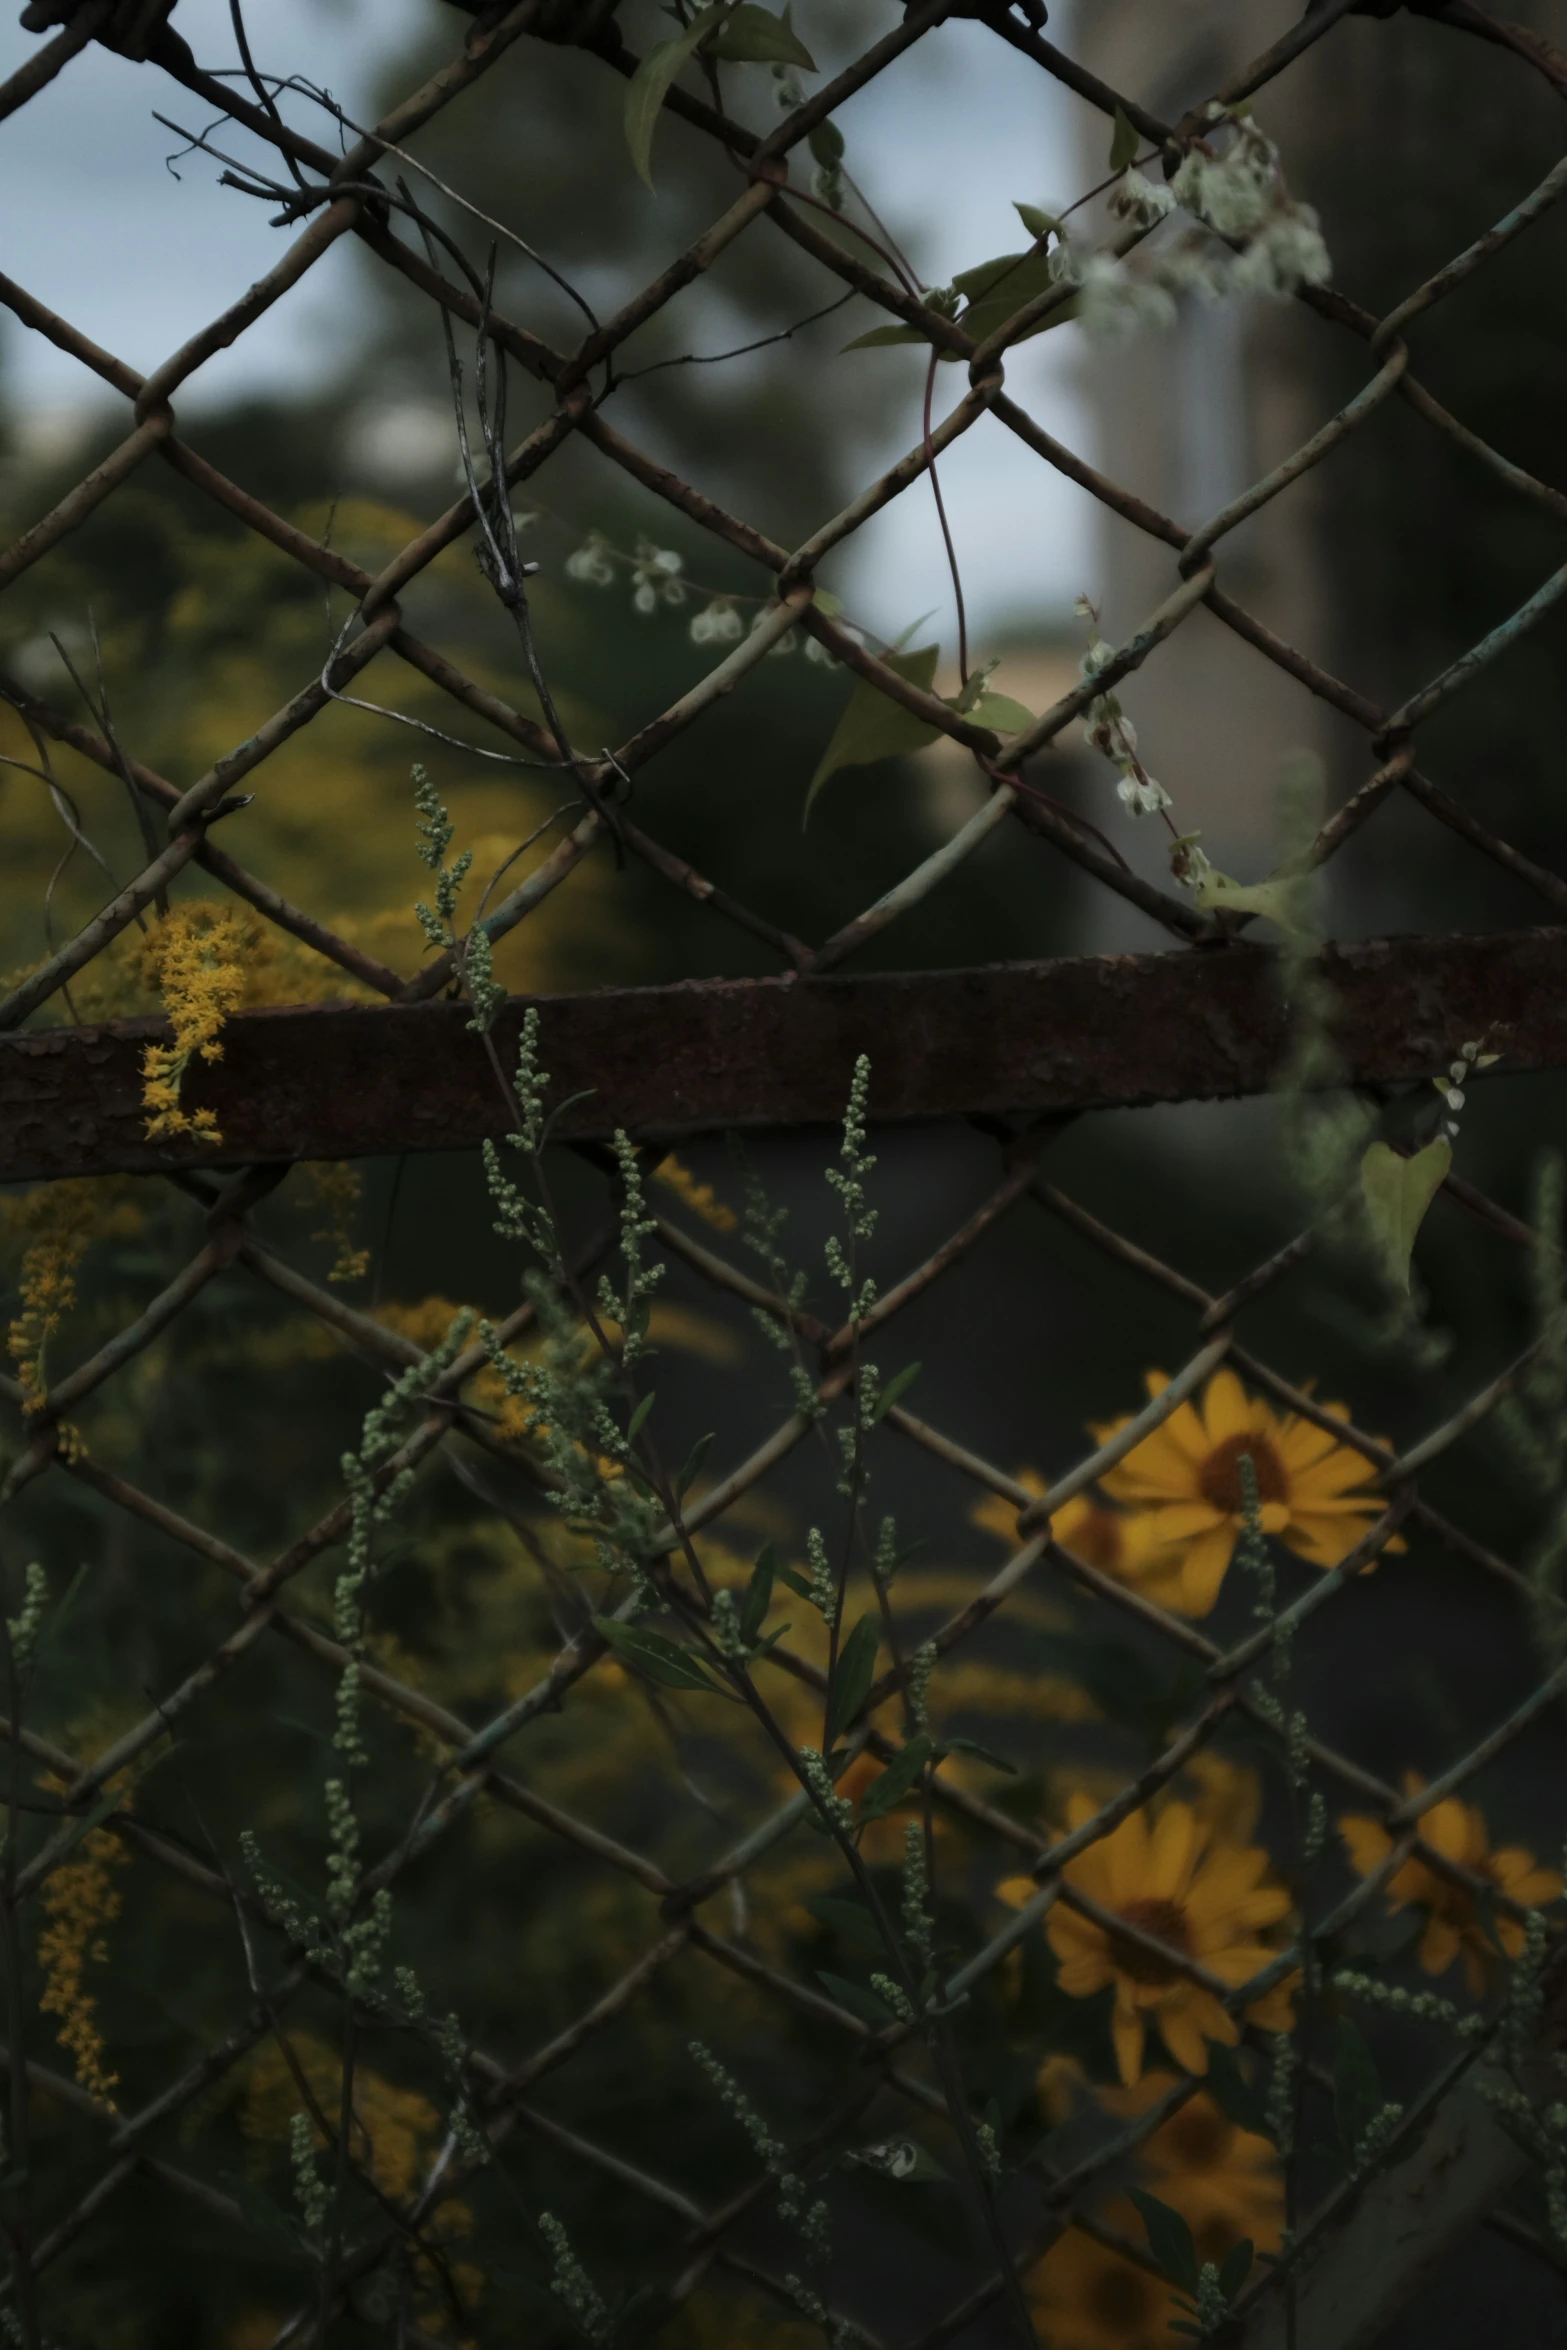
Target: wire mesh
column 699, row 1921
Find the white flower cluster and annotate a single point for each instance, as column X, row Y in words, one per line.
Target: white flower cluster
column 1241, row 197
column 1108, row 730
column 1451, row 1087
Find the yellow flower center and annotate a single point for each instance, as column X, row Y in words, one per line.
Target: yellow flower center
column 1166, row 1921
column 1220, row 1475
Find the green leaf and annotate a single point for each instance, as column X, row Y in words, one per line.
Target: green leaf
column 1124, row 142
column 1284, row 898
column 646, row 89
column 657, row 1658
column 851, row 1920
column 971, row 1746
column 693, row 1468
column 995, row 290
column 826, row 144
column 878, row 336
column 1169, row 2240
column 1235, row 2267
column 1038, row 224
column 1357, row 2086
column 851, row 1681
column 896, row 1780
column 875, row 727
column 750, row 36
column 1233, row 2094
column 1397, row 1192
column 758, row 1595
column 1002, row 713
column 857, row 2000
column 898, row 1385
column 793, row 1577
column 636, row 1422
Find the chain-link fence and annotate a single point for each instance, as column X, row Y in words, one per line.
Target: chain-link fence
column 935, row 2143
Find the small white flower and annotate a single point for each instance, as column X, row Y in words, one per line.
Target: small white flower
column 644, row 597
column 1459, row 1070
column 1142, row 796
column 591, row 563
column 819, row 653
column 1454, row 1098
column 665, row 559
column 718, row 623
column 1098, row 656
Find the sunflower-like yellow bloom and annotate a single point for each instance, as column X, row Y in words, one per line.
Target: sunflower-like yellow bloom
column 1174, row 1879
column 1225, row 2182
column 1457, row 1831
column 1186, row 1480
column 1123, row 1543
column 1084, row 2296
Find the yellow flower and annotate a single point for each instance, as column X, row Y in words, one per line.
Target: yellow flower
column 1123, row 1543
column 1224, row 2181
column 1457, row 1830
column 1171, row 1878
column 1186, row 1479
column 1086, row 2297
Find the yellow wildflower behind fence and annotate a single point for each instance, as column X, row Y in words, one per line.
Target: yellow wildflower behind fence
column 1184, row 1481
column 1453, row 1924
column 1203, row 1896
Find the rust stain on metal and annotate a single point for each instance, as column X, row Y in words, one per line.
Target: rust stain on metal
column 1089, row 1032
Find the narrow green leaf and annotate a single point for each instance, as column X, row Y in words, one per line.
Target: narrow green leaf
column 635, row 1424
column 984, row 1754
column 657, row 1658
column 794, row 1579
column 693, row 1468
column 899, row 1384
column 1357, row 2086
column 856, row 1999
column 750, row 36
column 1124, row 142
column 1235, row 2267
column 826, row 144
column 878, row 336
column 896, row 1780
column 856, row 1669
column 1169, row 2240
column 873, row 726
column 1397, row 1193
column 758, row 1595
column 646, row 89
column 1233, row 2094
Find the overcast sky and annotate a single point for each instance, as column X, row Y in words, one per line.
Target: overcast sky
column 86, row 194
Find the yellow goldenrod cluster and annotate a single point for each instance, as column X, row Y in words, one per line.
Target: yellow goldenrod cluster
column 396, row 2131
column 196, row 954
column 56, row 1223
column 700, row 1198
column 79, row 1900
column 336, row 1188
